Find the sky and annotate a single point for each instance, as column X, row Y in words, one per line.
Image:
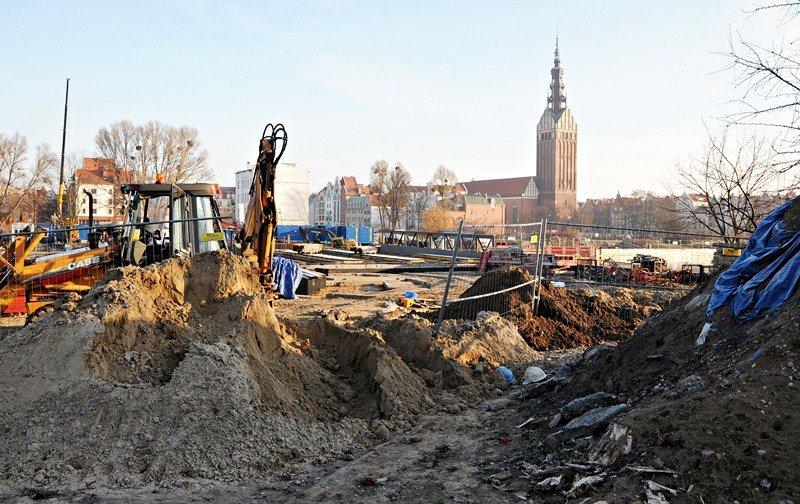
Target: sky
column 425, row 83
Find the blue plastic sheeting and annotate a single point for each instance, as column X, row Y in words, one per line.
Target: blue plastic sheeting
column 287, row 276
column 765, row 275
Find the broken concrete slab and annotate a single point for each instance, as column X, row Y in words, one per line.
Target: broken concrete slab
column 590, row 422
column 578, row 407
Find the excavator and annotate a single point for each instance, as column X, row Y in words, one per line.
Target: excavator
column 161, row 221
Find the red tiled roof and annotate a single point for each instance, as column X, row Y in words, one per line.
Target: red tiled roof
column 97, row 164
column 104, row 170
column 85, row 176
column 507, row 187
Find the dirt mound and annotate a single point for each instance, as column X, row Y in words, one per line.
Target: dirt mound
column 566, row 318
column 492, row 339
column 180, row 374
column 721, row 415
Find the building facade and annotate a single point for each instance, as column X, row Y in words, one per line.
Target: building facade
column 100, row 178
column 330, row 206
column 557, row 150
column 324, row 206
column 519, row 194
column 291, row 193
column 226, row 201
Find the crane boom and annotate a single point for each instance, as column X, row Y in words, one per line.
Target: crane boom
column 261, row 219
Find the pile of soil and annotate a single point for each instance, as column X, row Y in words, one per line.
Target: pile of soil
column 180, row 374
column 722, row 416
column 566, row 318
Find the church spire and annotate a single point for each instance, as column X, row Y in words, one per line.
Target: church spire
column 557, row 101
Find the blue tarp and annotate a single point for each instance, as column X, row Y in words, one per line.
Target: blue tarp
column 765, row 275
column 287, row 275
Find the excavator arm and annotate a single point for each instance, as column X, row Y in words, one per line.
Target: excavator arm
column 261, row 219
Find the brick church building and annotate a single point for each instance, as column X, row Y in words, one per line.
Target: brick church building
column 551, row 192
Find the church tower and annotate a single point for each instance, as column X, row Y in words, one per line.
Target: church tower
column 556, row 151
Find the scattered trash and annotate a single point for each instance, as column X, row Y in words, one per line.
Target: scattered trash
column 703, row 334
column 533, row 374
column 550, row 483
column 528, row 422
column 758, row 353
column 584, row 484
column 649, row 470
column 617, row 441
column 652, row 485
column 507, row 375
column 654, row 497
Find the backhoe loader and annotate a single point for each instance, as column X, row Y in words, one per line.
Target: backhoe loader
column 161, row 221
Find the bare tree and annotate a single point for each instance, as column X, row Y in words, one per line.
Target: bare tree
column 142, row 151
column 418, row 203
column 19, row 180
column 769, row 78
column 379, row 175
column 392, row 187
column 443, row 178
column 732, row 186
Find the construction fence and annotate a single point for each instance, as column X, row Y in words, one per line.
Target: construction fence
column 652, row 258
column 500, row 279
column 626, row 274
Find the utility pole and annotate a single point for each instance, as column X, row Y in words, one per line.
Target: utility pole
column 63, row 148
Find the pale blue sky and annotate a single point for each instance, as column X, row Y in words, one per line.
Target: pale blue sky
column 460, row 83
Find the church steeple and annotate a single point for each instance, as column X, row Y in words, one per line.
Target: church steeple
column 557, row 101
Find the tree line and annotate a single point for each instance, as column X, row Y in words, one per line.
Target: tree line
column 29, row 176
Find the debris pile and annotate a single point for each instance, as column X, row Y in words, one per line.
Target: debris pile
column 566, row 318
column 180, row 374
column 659, row 417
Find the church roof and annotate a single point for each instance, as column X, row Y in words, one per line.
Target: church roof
column 506, row 187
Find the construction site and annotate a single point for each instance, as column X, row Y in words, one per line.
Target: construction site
column 161, row 360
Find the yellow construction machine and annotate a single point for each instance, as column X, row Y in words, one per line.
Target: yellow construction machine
column 161, row 221
column 257, row 236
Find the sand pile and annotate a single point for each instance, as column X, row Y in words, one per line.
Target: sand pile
column 567, row 318
column 180, row 374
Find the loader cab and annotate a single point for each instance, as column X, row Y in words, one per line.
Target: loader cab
column 170, row 220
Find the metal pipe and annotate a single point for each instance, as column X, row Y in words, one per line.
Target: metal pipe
column 91, row 208
column 449, row 279
column 59, row 210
